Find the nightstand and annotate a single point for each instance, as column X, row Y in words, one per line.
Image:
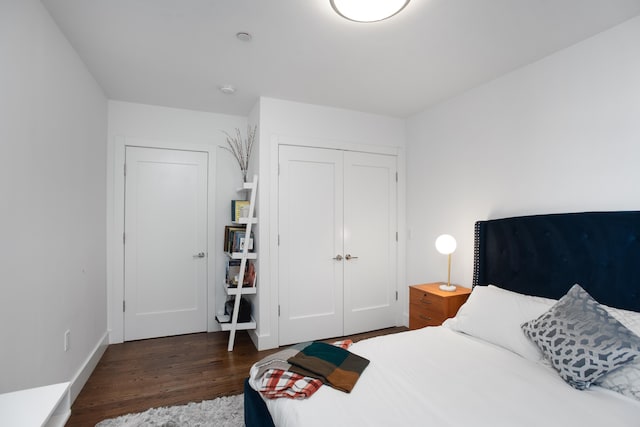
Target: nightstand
column 430, row 306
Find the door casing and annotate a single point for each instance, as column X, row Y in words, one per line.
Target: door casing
column 115, row 223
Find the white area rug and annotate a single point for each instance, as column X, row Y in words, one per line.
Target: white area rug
column 220, row 412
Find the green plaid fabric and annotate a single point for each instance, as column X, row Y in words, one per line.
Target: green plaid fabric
column 334, row 366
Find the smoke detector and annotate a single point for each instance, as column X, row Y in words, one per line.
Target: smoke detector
column 227, row 89
column 243, row 36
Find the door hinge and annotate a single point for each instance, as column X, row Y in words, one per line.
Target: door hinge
column 278, row 240
column 396, row 176
column 396, row 236
column 278, row 310
column 123, row 239
column 123, row 306
column 124, row 167
column 396, row 295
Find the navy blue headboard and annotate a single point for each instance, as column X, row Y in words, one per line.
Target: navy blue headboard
column 545, row 255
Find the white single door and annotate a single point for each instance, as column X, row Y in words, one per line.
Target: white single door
column 165, row 243
column 310, row 253
column 369, row 242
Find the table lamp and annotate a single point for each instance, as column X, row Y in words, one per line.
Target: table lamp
column 446, row 244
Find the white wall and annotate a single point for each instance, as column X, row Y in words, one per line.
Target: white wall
column 153, row 126
column 52, row 209
column 293, row 122
column 560, row 135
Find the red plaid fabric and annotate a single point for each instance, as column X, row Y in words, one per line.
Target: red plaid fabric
column 278, row 383
column 343, row 344
column 271, row 378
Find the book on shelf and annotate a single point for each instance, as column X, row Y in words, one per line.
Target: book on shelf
column 235, row 238
column 239, row 209
column 233, row 271
column 240, row 240
column 229, row 232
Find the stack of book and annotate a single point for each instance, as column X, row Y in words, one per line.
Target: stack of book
column 233, row 271
column 235, row 239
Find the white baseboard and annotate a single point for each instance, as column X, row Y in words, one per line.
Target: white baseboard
column 263, row 342
column 254, row 337
column 88, row 366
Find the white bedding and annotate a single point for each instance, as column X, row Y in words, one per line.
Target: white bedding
column 439, row 377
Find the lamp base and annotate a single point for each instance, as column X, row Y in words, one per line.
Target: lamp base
column 448, row 288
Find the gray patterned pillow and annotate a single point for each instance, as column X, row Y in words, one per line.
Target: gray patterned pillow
column 581, row 340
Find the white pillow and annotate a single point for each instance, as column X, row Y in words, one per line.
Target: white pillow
column 625, row 380
column 495, row 315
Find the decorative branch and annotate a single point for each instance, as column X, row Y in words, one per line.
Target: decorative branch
column 241, row 149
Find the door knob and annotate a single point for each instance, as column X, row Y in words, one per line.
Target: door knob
column 199, row 255
column 348, row 257
column 338, row 257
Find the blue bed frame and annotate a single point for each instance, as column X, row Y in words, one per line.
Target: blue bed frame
column 545, row 255
column 256, row 413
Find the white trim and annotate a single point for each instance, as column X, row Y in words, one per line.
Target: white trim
column 116, row 290
column 334, row 144
column 212, row 324
column 403, row 289
column 80, row 378
column 116, row 316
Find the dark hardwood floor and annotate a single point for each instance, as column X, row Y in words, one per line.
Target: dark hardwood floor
column 138, row 375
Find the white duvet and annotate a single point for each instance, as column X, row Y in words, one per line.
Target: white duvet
column 438, row 377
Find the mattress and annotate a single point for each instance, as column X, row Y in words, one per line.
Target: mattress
column 437, row 376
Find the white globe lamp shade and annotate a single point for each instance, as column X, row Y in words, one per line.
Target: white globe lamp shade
column 368, row 10
column 446, row 244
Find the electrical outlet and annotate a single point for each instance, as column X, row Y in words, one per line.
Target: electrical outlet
column 67, row 340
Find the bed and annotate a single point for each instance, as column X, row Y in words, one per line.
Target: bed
column 481, row 367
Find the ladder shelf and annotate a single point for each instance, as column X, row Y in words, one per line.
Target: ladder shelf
column 229, row 322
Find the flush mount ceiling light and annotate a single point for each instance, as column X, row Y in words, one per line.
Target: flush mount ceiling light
column 368, row 10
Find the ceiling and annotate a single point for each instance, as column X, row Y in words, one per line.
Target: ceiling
column 177, row 53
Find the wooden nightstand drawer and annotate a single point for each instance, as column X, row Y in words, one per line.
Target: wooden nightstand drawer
column 419, row 318
column 430, row 306
column 427, row 301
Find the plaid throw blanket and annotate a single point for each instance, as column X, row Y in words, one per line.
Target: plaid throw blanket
column 278, row 383
column 298, row 371
column 333, row 365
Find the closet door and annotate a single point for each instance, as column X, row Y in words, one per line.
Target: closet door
column 370, row 244
column 310, row 234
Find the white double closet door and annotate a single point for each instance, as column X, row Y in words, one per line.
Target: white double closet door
column 337, row 250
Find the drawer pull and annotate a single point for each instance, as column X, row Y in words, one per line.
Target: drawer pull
column 423, row 317
column 424, row 301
